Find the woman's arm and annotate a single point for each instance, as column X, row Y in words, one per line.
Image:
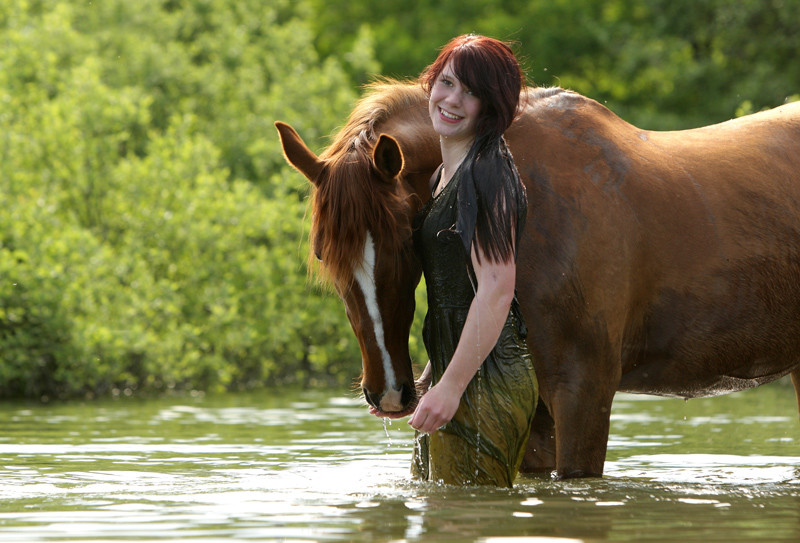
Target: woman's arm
column 485, row 320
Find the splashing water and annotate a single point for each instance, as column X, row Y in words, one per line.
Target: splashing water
column 386, row 423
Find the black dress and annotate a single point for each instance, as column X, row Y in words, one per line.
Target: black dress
column 485, row 441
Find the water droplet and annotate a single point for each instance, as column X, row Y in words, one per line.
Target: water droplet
column 386, row 430
column 478, row 419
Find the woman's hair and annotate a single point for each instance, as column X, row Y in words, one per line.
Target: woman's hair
column 491, row 198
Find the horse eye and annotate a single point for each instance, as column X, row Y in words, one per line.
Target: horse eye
column 316, row 244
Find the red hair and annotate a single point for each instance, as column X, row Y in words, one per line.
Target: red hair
column 490, row 70
column 491, row 198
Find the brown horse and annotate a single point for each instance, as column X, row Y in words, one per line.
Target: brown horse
column 661, row 263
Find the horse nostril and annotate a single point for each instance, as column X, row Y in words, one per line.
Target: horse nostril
column 408, row 394
column 369, row 398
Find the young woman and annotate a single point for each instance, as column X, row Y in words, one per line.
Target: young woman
column 475, row 418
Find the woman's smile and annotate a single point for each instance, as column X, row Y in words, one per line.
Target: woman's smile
column 449, row 116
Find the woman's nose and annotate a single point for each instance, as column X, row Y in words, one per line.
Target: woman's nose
column 454, row 98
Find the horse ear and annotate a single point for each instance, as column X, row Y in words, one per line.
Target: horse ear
column 388, row 157
column 297, row 153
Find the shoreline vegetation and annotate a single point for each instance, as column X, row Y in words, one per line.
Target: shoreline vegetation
column 152, row 238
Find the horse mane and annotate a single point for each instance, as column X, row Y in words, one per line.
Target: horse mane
column 351, row 198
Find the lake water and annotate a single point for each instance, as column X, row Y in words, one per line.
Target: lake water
column 283, row 465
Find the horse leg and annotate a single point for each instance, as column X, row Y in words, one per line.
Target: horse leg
column 582, row 411
column 540, row 453
column 796, row 382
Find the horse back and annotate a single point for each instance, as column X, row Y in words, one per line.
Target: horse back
column 669, row 261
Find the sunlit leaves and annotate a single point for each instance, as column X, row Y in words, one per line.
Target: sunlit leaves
column 152, row 236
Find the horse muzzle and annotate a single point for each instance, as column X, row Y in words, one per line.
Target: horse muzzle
column 393, row 400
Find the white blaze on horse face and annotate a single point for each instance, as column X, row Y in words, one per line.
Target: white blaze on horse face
column 365, row 277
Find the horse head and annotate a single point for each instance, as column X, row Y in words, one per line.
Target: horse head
column 364, row 200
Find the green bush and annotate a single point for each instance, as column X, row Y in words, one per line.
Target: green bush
column 660, row 64
column 152, row 236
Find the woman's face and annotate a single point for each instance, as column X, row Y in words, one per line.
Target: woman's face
column 453, row 108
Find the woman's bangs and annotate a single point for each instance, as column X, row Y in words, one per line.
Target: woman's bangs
column 466, row 65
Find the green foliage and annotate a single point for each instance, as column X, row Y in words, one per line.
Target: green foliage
column 660, row 64
column 153, row 237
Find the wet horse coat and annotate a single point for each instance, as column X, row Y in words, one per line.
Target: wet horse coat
column 652, row 262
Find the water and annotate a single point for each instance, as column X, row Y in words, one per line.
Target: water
column 315, row 466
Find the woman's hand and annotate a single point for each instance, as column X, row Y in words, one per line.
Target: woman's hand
column 436, row 408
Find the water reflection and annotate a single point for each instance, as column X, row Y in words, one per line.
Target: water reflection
column 292, row 465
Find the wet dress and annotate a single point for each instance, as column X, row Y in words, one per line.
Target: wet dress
column 485, row 441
